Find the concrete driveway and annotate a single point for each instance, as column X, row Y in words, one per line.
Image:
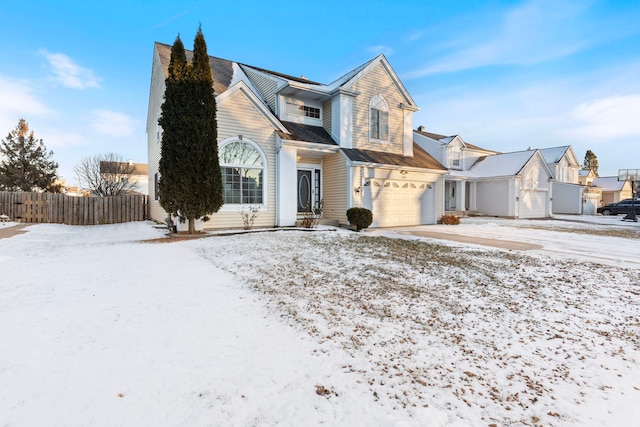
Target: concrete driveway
column 604, row 240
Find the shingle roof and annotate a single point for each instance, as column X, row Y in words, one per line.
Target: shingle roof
column 284, row 76
column 444, row 139
column 221, row 69
column 308, row 133
column 420, row 159
column 431, row 135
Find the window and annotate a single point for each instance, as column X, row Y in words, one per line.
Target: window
column 378, row 119
column 455, row 158
column 303, row 110
column 242, row 167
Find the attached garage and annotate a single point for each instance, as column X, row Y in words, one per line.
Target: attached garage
column 532, row 204
column 397, row 203
column 399, row 190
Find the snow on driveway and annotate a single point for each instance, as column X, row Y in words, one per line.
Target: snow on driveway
column 575, row 243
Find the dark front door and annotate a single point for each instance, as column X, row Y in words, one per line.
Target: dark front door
column 304, row 190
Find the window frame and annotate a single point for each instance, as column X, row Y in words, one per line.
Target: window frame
column 378, row 111
column 303, row 110
column 264, row 168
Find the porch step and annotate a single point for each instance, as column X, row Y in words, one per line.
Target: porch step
column 322, row 221
column 459, row 213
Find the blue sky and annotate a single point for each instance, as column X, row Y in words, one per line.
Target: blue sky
column 505, row 75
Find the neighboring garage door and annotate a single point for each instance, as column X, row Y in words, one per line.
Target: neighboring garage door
column 396, row 203
column 532, row 204
column 590, row 204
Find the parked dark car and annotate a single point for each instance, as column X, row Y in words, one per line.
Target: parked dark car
column 621, row 207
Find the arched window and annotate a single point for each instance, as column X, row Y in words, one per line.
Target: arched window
column 243, row 172
column 378, row 119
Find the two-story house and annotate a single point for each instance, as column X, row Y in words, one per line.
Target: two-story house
column 286, row 144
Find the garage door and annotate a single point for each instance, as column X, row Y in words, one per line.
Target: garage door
column 396, row 203
column 590, row 204
column 532, row 204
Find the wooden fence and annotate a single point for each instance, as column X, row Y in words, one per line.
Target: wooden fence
column 63, row 209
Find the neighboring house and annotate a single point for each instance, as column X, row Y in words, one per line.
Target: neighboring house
column 458, row 156
column 612, row 189
column 513, row 185
column 569, row 195
column 485, row 182
column 586, row 176
column 563, row 163
column 139, row 175
column 286, row 144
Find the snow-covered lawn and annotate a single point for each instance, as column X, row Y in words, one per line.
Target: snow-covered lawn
column 100, row 326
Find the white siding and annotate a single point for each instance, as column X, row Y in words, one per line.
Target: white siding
column 378, row 81
column 156, row 94
column 334, row 180
column 238, row 116
column 493, row 197
column 567, row 198
column 326, row 116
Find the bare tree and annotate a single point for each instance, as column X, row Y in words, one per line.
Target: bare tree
column 105, row 175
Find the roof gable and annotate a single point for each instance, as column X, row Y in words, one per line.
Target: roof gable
column 242, row 88
column 555, row 155
column 364, row 70
column 444, row 140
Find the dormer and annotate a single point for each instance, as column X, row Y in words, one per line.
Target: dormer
column 300, row 111
column 455, row 156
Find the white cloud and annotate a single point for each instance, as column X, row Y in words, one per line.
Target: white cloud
column 70, row 74
column 606, row 119
column 18, row 101
column 113, row 123
column 534, row 32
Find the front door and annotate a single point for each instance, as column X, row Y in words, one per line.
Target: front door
column 450, row 201
column 304, row 191
column 309, row 195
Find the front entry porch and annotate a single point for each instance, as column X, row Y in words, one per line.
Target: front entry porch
column 459, row 197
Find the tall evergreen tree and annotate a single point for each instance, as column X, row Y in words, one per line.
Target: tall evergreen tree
column 26, row 164
column 190, row 176
column 591, row 162
column 172, row 120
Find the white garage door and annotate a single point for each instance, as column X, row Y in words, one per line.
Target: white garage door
column 590, row 204
column 396, row 203
column 533, row 204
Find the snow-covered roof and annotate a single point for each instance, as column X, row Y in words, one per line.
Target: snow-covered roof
column 584, row 172
column 445, row 140
column 554, row 154
column 608, row 183
column 506, row 164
